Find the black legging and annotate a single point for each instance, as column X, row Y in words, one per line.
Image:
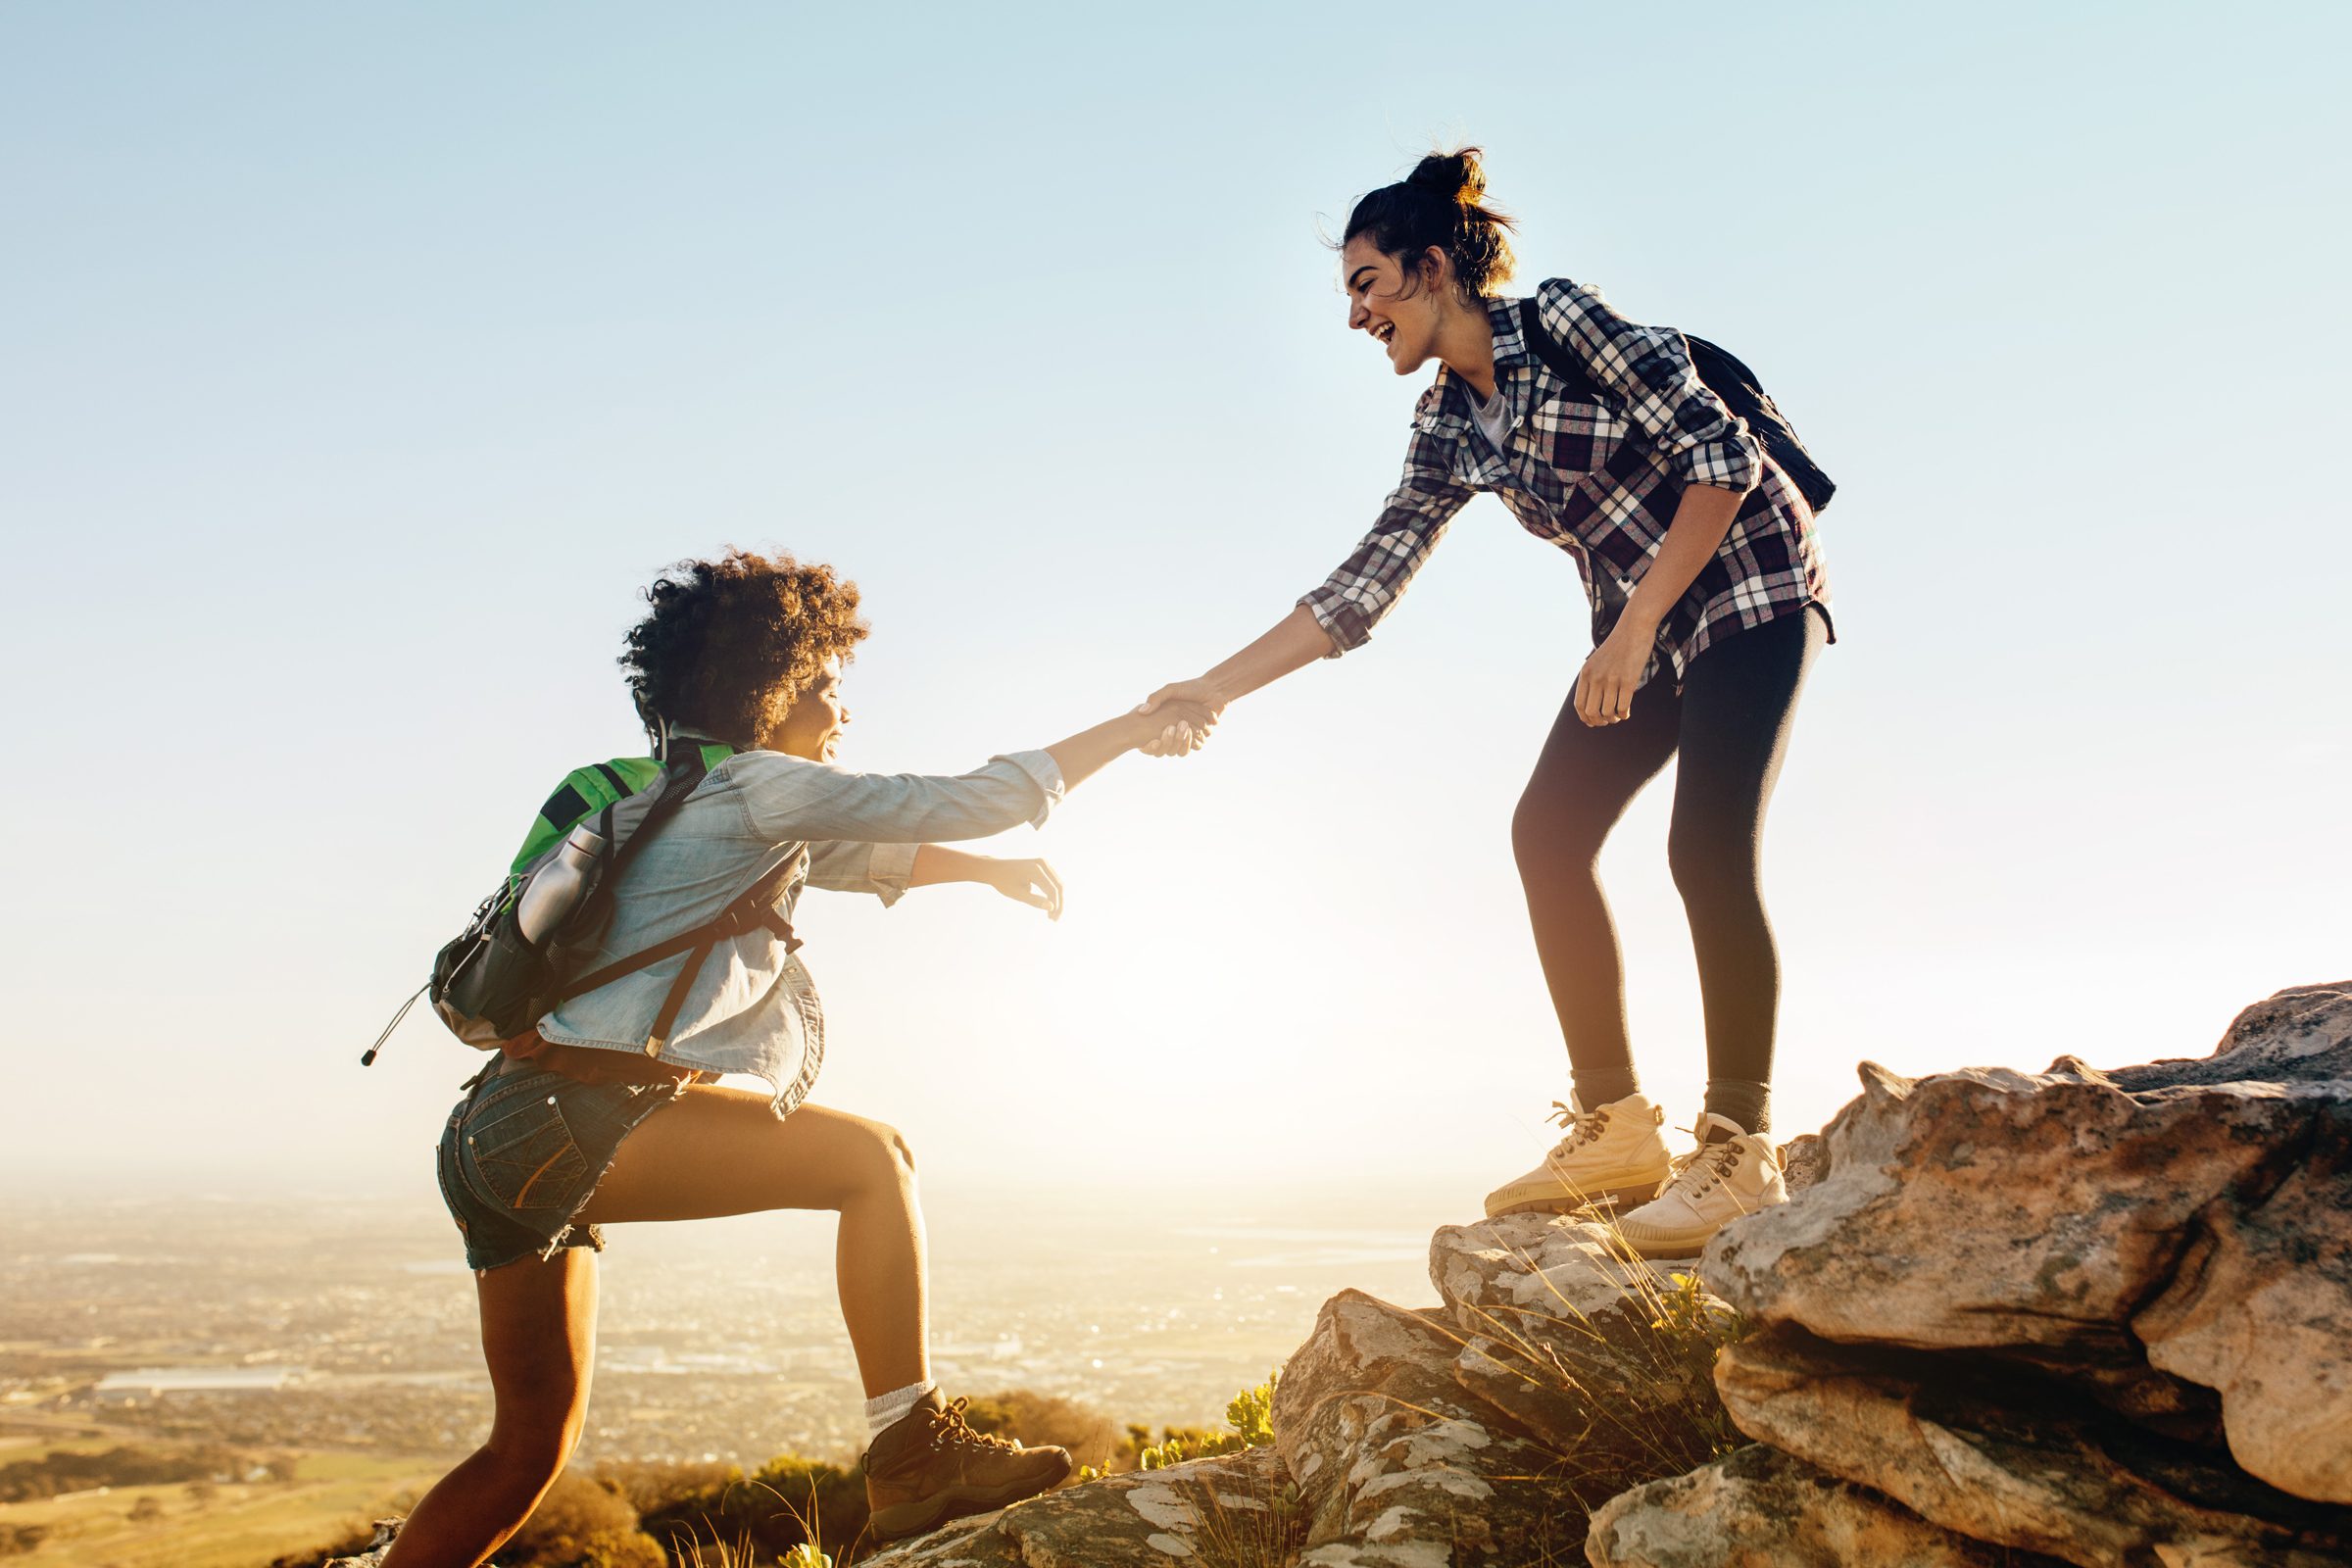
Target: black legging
column 1731, row 724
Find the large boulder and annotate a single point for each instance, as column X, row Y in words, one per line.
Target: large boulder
column 2147, row 1243
column 1226, row 1510
column 1998, row 1456
column 1989, row 1207
column 1760, row 1508
column 2260, row 1309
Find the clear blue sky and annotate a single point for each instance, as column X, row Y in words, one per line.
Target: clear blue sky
column 360, row 365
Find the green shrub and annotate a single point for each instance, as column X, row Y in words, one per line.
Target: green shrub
column 582, row 1523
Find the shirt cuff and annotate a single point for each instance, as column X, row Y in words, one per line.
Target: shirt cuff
column 1044, row 772
column 891, row 870
column 1345, row 625
column 1731, row 461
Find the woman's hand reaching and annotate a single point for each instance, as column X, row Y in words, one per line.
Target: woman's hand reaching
column 1030, row 882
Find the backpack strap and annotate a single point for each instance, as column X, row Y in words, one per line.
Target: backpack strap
column 756, row 907
column 1556, row 356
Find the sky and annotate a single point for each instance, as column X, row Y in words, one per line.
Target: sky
column 359, row 365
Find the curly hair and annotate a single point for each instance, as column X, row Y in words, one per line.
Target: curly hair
column 732, row 643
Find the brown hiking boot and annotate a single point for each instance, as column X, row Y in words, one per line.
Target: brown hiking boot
column 932, row 1467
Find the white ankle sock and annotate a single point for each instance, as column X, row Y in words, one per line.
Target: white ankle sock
column 886, row 1411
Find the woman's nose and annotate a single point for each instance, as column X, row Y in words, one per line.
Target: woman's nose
column 1357, row 316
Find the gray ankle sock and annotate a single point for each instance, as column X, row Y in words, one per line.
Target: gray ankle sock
column 1741, row 1100
column 1597, row 1087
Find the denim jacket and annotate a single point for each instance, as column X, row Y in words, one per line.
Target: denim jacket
column 752, row 1008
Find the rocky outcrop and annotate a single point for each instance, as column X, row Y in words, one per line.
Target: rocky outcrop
column 2077, row 1316
column 1760, row 1508
column 2105, row 1316
column 2193, row 1232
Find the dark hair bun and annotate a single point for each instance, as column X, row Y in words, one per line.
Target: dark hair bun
column 1440, row 204
column 1458, row 177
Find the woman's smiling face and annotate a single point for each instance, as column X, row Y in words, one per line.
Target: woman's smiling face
column 1399, row 313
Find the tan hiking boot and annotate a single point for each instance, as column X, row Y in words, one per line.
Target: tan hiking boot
column 1715, row 1184
column 932, row 1467
column 1613, row 1154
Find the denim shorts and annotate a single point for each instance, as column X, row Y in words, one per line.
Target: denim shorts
column 523, row 1152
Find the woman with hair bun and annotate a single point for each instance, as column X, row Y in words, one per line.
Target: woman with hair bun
column 1706, row 584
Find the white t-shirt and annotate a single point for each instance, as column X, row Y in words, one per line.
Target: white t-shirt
column 1494, row 416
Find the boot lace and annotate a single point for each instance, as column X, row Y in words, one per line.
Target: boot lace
column 949, row 1429
column 1582, row 1126
column 1697, row 1173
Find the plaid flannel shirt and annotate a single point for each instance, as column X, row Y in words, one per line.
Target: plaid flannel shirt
column 1600, row 480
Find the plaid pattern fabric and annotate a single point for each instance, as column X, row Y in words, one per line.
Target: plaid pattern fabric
column 1601, row 480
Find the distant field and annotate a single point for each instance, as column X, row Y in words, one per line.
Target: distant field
column 240, row 1527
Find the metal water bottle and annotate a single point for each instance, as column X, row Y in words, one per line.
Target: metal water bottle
column 558, row 889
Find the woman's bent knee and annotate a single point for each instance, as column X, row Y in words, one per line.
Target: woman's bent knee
column 899, row 1156
column 885, row 1160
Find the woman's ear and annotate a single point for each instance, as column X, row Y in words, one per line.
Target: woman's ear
column 1436, row 269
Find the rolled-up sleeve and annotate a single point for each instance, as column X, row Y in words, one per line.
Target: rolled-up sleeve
column 1650, row 370
column 882, row 869
column 1368, row 585
column 789, row 797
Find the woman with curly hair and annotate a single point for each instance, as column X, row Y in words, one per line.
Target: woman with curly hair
column 1704, row 580
column 603, row 1114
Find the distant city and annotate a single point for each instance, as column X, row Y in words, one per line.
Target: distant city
column 350, row 1326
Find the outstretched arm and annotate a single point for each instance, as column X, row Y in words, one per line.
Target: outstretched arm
column 1031, row 882
column 1083, row 754
column 1294, row 642
column 1341, row 613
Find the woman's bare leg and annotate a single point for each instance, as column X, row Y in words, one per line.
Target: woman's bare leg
column 539, row 1337
column 723, row 1151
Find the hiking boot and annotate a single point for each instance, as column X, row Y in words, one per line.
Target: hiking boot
column 1611, row 1156
column 1729, row 1174
column 932, row 1467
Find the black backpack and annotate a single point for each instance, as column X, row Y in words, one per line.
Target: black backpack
column 1726, row 375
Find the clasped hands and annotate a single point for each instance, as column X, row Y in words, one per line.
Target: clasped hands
column 1189, row 709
